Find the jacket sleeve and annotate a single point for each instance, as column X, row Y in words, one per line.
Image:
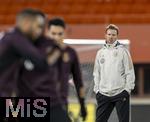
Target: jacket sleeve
column 96, row 73
column 129, row 71
column 76, row 72
column 27, row 50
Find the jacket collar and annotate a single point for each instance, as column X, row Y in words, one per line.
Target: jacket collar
column 115, row 44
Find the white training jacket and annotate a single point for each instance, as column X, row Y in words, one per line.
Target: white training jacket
column 113, row 70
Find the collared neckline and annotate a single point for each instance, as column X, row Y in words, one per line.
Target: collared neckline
column 111, row 45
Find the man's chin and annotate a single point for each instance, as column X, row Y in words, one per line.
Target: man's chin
column 35, row 38
column 111, row 41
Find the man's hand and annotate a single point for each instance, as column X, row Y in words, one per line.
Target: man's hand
column 52, row 58
column 83, row 110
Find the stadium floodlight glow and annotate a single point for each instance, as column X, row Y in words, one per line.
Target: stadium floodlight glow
column 92, row 41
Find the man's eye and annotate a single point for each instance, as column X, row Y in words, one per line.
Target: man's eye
column 53, row 33
column 60, row 34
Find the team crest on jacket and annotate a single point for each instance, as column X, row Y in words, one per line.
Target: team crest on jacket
column 28, row 65
column 66, row 57
column 102, row 60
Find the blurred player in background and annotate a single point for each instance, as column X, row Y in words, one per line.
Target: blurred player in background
column 113, row 77
column 18, row 44
column 70, row 64
column 33, row 82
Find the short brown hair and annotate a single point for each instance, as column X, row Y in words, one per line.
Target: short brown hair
column 30, row 13
column 113, row 27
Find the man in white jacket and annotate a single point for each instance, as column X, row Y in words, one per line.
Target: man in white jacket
column 113, row 77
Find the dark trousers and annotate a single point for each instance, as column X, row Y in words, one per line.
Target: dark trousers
column 106, row 105
column 59, row 114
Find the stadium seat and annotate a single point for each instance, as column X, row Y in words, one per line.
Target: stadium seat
column 141, row 1
column 66, row 1
column 107, row 8
column 125, row 1
column 123, row 8
column 78, row 9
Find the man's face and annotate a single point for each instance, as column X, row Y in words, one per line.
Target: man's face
column 111, row 36
column 37, row 27
column 56, row 33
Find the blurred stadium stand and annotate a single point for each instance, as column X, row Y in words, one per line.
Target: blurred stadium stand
column 94, row 11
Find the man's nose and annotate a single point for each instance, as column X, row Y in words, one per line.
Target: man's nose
column 56, row 37
column 110, row 36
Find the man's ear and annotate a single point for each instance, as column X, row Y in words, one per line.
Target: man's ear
column 65, row 34
column 47, row 32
